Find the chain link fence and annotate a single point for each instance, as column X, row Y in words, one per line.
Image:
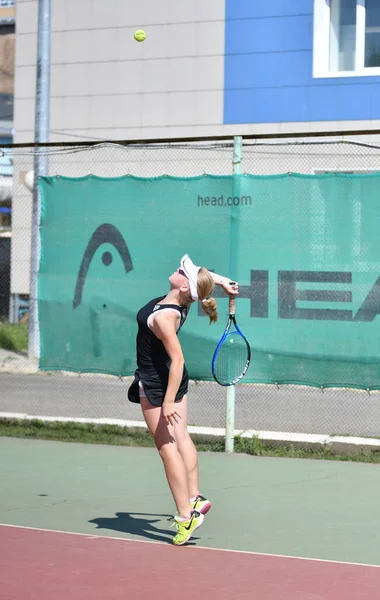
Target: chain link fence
column 272, row 418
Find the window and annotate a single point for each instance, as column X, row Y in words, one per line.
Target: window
column 351, row 29
column 5, row 218
column 372, row 34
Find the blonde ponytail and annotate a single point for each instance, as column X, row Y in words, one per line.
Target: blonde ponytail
column 209, row 307
column 205, row 287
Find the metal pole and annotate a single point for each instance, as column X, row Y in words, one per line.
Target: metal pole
column 234, row 257
column 41, row 164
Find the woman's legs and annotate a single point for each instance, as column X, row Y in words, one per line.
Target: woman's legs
column 174, row 464
column 187, row 449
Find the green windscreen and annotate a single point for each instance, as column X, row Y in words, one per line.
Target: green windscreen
column 304, row 249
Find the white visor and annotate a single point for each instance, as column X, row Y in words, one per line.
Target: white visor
column 191, row 272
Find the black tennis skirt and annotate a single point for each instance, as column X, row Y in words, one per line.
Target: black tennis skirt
column 155, row 386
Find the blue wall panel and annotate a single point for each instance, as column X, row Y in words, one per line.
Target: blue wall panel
column 281, row 34
column 269, row 69
column 244, row 9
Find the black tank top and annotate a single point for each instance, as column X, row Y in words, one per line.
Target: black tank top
column 152, row 357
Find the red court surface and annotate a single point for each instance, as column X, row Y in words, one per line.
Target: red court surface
column 37, row 564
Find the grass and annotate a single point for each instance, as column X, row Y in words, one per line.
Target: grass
column 256, row 447
column 14, row 337
column 87, row 433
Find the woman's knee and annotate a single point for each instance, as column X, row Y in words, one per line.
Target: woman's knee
column 181, row 433
column 163, row 436
column 166, row 448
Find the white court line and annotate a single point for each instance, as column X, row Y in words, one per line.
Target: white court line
column 103, row 537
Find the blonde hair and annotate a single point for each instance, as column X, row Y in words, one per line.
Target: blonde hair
column 205, row 287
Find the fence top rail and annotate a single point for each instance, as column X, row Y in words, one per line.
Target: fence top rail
column 211, row 138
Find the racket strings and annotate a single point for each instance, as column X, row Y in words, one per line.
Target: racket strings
column 231, row 359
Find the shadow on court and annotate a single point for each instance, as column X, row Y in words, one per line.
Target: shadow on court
column 138, row 524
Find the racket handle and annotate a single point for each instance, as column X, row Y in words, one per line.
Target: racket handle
column 232, row 305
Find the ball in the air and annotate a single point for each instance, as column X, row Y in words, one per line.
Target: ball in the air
column 140, row 35
column 231, row 340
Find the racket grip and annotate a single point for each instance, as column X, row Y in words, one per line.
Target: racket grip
column 232, row 305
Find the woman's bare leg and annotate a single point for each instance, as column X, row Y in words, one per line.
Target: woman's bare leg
column 187, row 449
column 175, row 468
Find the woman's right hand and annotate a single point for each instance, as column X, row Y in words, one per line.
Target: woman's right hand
column 230, row 287
column 169, row 412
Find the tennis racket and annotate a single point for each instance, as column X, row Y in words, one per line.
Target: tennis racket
column 233, row 354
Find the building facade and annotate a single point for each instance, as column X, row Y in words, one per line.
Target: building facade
column 206, row 68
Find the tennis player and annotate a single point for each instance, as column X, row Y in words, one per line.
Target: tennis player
column 161, row 385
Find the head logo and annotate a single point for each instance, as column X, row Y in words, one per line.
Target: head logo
column 104, row 234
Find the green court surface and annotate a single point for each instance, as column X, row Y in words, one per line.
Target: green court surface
column 291, row 507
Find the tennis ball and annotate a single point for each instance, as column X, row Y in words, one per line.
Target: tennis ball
column 140, row 35
column 231, row 340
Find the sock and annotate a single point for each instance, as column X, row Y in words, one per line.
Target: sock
column 193, row 499
column 186, row 518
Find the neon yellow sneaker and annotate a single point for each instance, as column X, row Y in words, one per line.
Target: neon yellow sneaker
column 201, row 504
column 185, row 528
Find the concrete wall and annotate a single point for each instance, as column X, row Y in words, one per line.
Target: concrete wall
column 105, row 84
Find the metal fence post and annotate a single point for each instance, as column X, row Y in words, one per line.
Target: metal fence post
column 41, row 164
column 234, row 247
